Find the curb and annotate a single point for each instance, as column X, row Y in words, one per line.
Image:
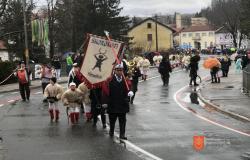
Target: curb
column 31, row 87
column 217, row 108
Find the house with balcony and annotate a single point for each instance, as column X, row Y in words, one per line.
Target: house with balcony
column 151, row 35
column 198, row 37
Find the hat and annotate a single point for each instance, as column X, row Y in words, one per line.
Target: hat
column 119, row 66
column 22, row 62
column 72, row 84
column 53, row 79
column 75, row 65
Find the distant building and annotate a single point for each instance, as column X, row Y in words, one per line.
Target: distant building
column 199, row 21
column 197, row 37
column 224, row 39
column 143, row 35
column 4, row 55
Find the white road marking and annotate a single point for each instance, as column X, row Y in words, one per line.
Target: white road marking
column 135, row 149
column 14, row 92
column 1, row 105
column 204, row 118
column 9, row 101
column 38, row 92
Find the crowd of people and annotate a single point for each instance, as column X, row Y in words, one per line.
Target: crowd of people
column 117, row 93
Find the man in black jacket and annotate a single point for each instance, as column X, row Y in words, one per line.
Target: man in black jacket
column 164, row 69
column 96, row 106
column 118, row 104
column 194, row 66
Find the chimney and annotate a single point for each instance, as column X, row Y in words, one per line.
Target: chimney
column 178, row 20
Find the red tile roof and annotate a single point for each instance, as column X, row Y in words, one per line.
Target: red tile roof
column 199, row 28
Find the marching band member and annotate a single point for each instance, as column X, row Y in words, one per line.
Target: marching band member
column 118, row 105
column 53, row 93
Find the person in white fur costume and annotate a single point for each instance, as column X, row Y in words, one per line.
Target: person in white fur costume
column 186, row 61
column 144, row 67
column 157, row 60
column 72, row 99
column 53, row 93
column 86, row 100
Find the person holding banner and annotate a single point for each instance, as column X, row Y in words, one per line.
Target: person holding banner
column 118, row 105
column 73, row 75
column 96, row 106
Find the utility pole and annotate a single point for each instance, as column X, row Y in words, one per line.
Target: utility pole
column 26, row 52
column 156, row 34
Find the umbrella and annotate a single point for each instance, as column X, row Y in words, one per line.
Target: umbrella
column 210, row 63
column 232, row 49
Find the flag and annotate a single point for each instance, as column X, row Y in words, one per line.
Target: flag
column 99, row 60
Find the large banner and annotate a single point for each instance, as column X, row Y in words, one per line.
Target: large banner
column 99, row 59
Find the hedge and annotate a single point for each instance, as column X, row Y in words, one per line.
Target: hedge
column 6, row 68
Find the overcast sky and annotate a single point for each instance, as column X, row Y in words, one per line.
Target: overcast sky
column 151, row 7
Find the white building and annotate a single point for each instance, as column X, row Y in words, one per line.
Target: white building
column 198, row 37
column 4, row 55
column 224, row 39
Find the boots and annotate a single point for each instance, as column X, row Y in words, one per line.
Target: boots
column 51, row 114
column 76, row 116
column 57, row 115
column 72, row 118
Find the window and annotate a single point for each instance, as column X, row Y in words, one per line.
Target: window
column 184, row 35
column 204, row 34
column 150, row 37
column 149, row 25
column 211, row 44
column 211, row 33
column 190, row 34
column 189, row 45
column 197, row 34
column 205, row 44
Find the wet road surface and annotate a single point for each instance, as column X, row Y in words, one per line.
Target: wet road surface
column 156, row 124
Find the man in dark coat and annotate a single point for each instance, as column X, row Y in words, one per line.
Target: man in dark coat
column 136, row 73
column 96, row 106
column 225, row 64
column 118, row 104
column 194, row 62
column 164, row 69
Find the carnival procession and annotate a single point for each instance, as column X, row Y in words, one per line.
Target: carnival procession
column 124, row 80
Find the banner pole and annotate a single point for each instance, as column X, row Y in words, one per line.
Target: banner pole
column 116, row 57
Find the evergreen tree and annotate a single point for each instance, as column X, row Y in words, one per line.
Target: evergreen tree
column 105, row 15
column 245, row 17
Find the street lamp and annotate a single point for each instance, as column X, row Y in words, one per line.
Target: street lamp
column 26, row 53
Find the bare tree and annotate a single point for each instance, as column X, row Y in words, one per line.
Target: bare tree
column 3, row 5
column 226, row 13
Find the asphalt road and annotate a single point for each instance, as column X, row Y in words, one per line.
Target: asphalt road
column 161, row 125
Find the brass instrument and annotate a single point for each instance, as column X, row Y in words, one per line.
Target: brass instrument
column 131, row 66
